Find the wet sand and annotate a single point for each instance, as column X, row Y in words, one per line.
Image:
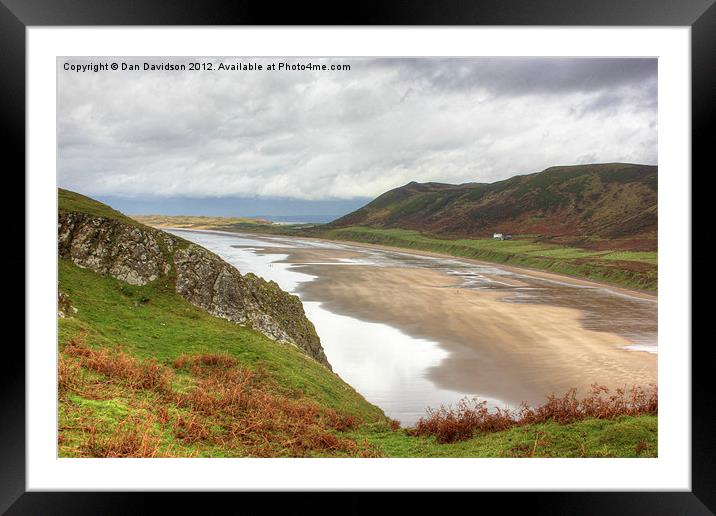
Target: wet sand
column 513, row 351
column 643, row 294
column 511, row 335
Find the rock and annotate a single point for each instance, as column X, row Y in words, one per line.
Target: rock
column 111, row 248
column 205, row 280
column 139, row 255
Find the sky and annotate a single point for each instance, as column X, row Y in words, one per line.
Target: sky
column 157, row 139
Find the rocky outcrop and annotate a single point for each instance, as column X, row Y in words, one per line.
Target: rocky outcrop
column 113, row 248
column 205, row 280
column 139, row 254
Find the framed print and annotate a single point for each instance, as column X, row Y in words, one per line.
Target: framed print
column 438, row 249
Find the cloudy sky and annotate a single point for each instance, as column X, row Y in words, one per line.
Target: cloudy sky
column 345, row 135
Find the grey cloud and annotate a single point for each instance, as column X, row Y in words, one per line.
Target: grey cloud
column 348, row 134
column 606, row 102
column 523, row 75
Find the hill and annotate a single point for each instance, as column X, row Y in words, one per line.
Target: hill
column 597, row 222
column 590, row 206
column 152, row 364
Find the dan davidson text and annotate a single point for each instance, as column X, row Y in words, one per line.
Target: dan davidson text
column 202, row 66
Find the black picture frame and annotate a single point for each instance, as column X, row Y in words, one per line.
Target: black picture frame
column 17, row 15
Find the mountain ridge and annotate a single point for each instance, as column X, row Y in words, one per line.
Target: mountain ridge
column 582, row 204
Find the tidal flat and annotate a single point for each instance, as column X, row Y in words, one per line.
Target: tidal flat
column 410, row 330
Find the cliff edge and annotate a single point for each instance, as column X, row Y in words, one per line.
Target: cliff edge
column 96, row 237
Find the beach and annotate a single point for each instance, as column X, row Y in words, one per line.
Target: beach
column 511, row 351
column 508, row 335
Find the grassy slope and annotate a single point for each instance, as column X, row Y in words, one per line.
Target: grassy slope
column 153, row 322
column 72, row 201
column 623, row 437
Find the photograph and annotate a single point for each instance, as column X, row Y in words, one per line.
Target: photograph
column 437, row 247
column 357, row 257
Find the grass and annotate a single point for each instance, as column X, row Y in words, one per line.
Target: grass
column 72, row 201
column 153, row 322
column 140, row 361
column 566, row 253
column 143, row 373
column 636, row 256
column 601, row 438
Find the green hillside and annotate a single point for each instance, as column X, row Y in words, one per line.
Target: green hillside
column 74, row 202
column 144, row 373
column 590, row 206
column 152, row 323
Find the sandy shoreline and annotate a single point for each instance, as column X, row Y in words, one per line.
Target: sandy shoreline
column 642, row 294
column 500, row 348
column 514, row 352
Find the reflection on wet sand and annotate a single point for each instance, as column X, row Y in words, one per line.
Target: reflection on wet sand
column 506, row 334
column 608, row 309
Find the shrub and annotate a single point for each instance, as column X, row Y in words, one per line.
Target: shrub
column 133, row 437
column 69, row 375
column 136, row 373
column 450, row 424
column 189, row 430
